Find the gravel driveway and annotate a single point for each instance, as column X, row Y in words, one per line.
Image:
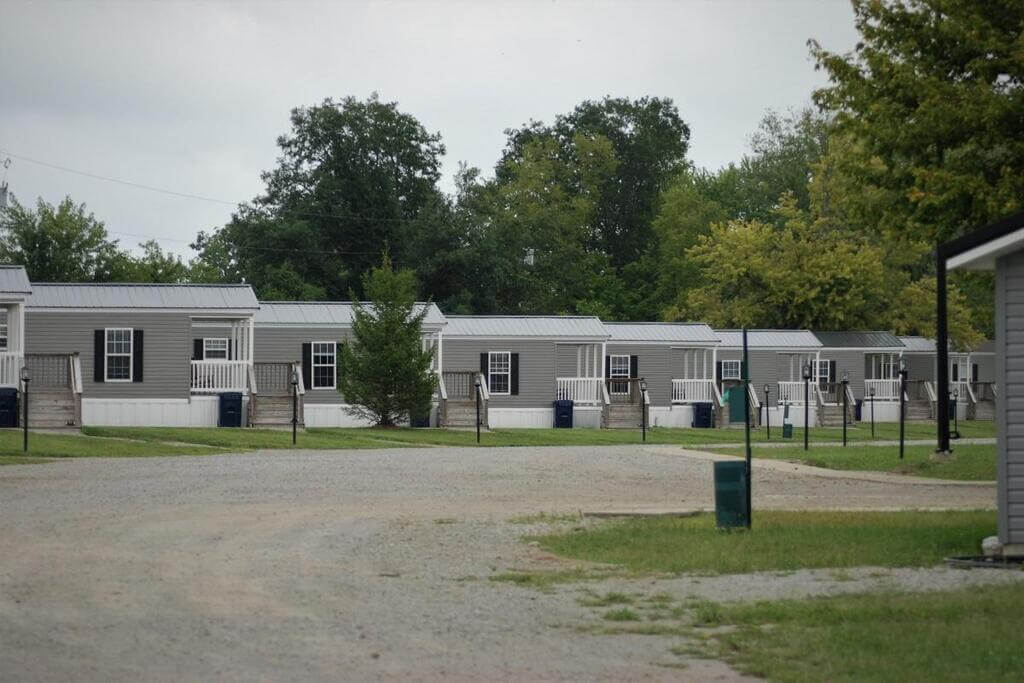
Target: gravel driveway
column 355, row 565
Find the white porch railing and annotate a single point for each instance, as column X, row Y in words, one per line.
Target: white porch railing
column 10, row 368
column 885, row 389
column 793, row 392
column 693, row 391
column 214, row 376
column 963, row 391
column 579, row 389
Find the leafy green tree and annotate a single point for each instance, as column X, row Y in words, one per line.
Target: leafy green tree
column 155, row 265
column 353, row 177
column 384, row 372
column 62, row 243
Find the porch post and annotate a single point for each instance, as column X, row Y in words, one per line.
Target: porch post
column 252, row 341
column 600, row 364
column 440, row 368
column 21, row 328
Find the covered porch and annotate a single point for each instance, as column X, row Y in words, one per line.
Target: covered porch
column 12, row 342
column 696, row 377
column 224, row 363
column 791, row 391
column 587, row 386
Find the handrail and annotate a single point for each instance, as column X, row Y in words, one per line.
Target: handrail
column 485, row 394
column 930, row 390
column 850, row 398
column 76, row 373
column 970, row 392
column 251, row 373
column 604, row 394
column 300, row 387
column 753, row 395
column 442, row 391
column 647, row 398
column 718, row 395
column 995, row 390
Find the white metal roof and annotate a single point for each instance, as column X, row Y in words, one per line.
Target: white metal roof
column 141, row 296
column 661, row 332
column 14, row 280
column 918, row 344
column 770, row 339
column 983, row 256
column 300, row 313
column 587, row 327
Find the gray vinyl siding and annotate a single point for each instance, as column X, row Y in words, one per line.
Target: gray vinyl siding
column 167, row 349
column 284, row 345
column 986, row 367
column 766, row 367
column 920, row 366
column 654, row 364
column 536, row 367
column 853, row 362
column 1010, row 409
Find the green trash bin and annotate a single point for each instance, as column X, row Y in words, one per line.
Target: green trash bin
column 787, row 424
column 731, row 494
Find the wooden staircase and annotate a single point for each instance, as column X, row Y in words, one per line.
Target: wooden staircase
column 54, row 396
column 51, row 408
column 984, row 410
column 270, row 398
column 622, row 416
column 457, row 406
column 919, row 411
column 462, row 414
column 273, row 410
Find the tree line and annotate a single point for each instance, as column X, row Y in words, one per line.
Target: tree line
column 827, row 222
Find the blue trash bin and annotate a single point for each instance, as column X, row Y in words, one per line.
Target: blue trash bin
column 563, row 414
column 230, row 414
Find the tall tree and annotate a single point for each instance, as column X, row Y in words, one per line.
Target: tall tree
column 62, row 243
column 353, row 177
column 384, row 372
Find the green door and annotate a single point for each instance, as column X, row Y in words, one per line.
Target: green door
column 736, row 413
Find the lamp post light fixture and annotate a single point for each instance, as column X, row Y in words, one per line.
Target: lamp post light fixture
column 846, row 407
column 24, row 393
column 903, row 388
column 476, row 384
column 807, row 399
column 956, row 416
column 295, row 403
column 871, row 394
column 767, row 415
column 643, row 408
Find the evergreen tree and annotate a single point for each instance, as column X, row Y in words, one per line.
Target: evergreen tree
column 384, row 372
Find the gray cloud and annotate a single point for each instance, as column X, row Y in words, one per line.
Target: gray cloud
column 191, row 96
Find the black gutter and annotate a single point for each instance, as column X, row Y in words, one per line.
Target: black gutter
column 944, row 252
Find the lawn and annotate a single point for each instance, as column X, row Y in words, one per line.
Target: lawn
column 255, row 439
column 47, row 445
column 968, row 462
column 964, row 635
column 780, row 540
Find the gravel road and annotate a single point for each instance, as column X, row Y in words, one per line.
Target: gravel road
column 362, row 565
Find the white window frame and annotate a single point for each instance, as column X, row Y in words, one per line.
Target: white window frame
column 491, row 355
column 618, row 387
column 206, row 350
column 313, row 365
column 820, row 374
column 130, row 355
column 5, row 341
column 738, row 364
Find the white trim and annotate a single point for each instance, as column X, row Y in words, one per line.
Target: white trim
column 515, row 337
column 191, row 312
column 520, row 418
column 739, row 369
column 206, row 352
column 313, row 365
column 107, row 354
column 983, row 256
column 490, row 384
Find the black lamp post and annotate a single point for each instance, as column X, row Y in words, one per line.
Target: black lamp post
column 903, row 388
column 871, row 393
column 295, row 403
column 807, row 400
column 476, row 384
column 767, row 415
column 846, row 382
column 24, row 393
column 643, row 408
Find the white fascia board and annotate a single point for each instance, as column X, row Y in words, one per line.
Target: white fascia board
column 191, row 312
column 983, row 256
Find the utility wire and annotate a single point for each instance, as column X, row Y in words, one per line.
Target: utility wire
column 333, row 252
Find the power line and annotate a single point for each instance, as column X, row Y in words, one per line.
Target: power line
column 333, row 252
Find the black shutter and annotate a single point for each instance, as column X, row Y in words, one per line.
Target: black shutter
column 198, row 352
column 514, row 389
column 607, row 367
column 229, row 350
column 483, row 366
column 956, row 372
column 718, row 371
column 338, row 346
column 98, row 348
column 743, row 370
column 307, row 365
column 831, row 372
column 974, row 373
column 634, row 367
column 137, row 361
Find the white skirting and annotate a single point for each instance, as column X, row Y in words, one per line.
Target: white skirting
column 670, row 416
column 796, row 415
column 331, row 415
column 512, row 418
column 199, row 411
column 586, row 417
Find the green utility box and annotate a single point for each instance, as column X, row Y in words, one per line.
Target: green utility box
column 731, row 494
column 787, row 423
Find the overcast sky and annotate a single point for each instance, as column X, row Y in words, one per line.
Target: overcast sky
column 191, row 97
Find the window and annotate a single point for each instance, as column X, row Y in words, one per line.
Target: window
column 618, row 368
column 731, row 369
column 956, row 372
column 118, row 357
column 215, row 349
column 325, row 362
column 499, row 372
column 3, row 329
column 820, row 371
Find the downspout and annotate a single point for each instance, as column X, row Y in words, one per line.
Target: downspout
column 942, row 350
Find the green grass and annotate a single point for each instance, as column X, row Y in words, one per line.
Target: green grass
column 968, row 462
column 964, row 635
column 46, row 445
column 249, row 439
column 780, row 540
